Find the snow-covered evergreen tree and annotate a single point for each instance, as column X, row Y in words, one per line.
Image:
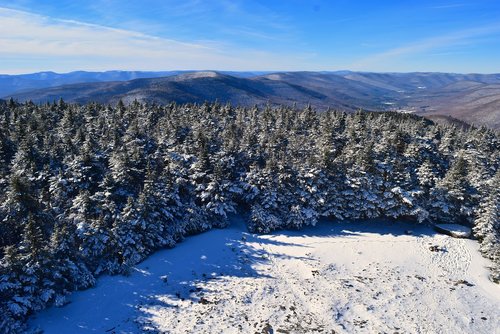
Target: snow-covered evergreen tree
column 450, row 199
column 487, row 224
column 129, row 233
column 18, row 203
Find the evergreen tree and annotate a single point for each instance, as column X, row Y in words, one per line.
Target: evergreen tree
column 487, row 223
column 450, row 198
column 129, row 232
column 19, row 202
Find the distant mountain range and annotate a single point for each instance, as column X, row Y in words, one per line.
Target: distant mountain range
column 12, row 84
column 473, row 98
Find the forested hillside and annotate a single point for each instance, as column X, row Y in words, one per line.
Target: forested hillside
column 472, row 98
column 92, row 189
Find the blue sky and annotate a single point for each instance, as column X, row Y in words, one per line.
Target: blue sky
column 382, row 36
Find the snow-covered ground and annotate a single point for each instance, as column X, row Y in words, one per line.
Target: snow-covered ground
column 366, row 277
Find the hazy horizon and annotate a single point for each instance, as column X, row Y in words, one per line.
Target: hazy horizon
column 246, row 71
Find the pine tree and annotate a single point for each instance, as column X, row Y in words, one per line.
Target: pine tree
column 67, row 269
column 37, row 270
column 19, row 202
column 129, row 232
column 451, row 197
column 487, row 225
column 13, row 307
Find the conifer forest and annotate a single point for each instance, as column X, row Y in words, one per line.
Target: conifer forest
column 94, row 189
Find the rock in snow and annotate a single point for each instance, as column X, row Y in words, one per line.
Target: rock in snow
column 454, row 230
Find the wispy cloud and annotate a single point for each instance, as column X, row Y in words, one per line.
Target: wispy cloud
column 21, row 31
column 216, row 18
column 462, row 37
column 81, row 45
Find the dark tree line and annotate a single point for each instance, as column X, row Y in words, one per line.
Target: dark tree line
column 94, row 189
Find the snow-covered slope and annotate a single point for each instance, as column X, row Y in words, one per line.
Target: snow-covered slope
column 349, row 278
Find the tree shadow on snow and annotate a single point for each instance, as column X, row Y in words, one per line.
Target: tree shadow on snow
column 336, row 228
column 193, row 266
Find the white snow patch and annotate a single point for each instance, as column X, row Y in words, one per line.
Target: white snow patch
column 342, row 277
column 274, row 76
column 195, row 75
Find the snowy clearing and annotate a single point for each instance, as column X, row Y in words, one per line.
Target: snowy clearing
column 368, row 277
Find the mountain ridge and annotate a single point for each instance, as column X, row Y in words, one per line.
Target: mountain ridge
column 472, row 98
